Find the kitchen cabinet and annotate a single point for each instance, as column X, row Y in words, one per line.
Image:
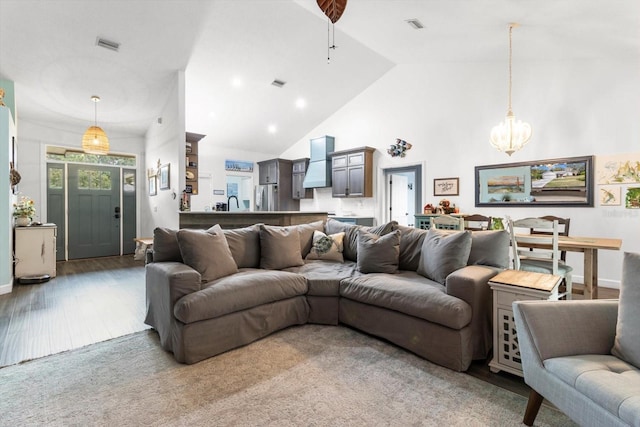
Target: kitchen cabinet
column 35, row 250
column 275, row 179
column 352, row 172
column 269, row 171
column 191, row 162
column 297, row 180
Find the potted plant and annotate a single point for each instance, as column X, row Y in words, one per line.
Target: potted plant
column 24, row 211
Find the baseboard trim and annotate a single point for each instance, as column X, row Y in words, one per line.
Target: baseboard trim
column 7, row 288
column 603, row 283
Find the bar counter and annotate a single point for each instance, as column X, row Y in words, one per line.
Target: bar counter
column 204, row 220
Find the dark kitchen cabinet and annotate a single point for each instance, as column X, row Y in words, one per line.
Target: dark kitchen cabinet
column 269, row 171
column 277, row 174
column 297, row 180
column 352, row 172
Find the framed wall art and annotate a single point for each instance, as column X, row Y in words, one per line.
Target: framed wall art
column 152, row 186
column 555, row 182
column 446, row 186
column 164, row 172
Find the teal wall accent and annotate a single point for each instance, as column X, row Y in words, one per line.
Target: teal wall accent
column 9, row 96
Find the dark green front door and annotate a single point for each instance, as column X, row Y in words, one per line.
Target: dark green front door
column 94, row 211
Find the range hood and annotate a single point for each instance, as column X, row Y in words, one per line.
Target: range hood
column 319, row 171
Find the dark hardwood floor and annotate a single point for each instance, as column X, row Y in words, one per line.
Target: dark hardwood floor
column 89, row 301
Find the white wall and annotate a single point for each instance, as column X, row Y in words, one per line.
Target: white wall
column 165, row 142
column 446, row 111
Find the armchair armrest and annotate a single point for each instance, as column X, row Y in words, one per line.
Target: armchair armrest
column 471, row 284
column 548, row 329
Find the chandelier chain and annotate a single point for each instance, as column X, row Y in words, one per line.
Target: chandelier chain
column 510, row 68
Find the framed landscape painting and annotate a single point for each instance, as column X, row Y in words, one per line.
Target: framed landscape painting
column 554, row 182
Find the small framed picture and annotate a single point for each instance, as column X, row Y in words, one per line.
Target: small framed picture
column 152, row 186
column 446, row 186
column 164, row 177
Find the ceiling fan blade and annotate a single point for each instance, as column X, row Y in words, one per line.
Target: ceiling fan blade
column 332, row 8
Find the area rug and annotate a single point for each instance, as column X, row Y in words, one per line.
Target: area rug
column 303, row 376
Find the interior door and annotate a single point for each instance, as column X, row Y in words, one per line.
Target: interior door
column 94, row 211
column 399, row 200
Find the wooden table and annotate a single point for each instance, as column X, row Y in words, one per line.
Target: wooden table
column 509, row 286
column 589, row 247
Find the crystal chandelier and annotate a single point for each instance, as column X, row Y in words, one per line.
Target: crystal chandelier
column 94, row 140
column 510, row 135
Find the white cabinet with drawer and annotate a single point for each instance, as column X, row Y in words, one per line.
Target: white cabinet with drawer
column 35, row 250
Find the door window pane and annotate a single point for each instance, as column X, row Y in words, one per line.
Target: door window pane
column 55, row 178
column 94, row 180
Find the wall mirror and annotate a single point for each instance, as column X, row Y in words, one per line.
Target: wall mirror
column 555, row 182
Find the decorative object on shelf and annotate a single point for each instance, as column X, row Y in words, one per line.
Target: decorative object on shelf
column 185, row 200
column 399, row 148
column 94, row 140
column 446, row 186
column 428, row 209
column 555, row 182
column 164, row 176
column 24, row 211
column 152, row 186
column 510, row 135
column 334, row 10
column 14, row 176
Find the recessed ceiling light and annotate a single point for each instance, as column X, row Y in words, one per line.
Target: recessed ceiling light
column 212, row 114
column 272, row 129
column 107, row 44
column 236, row 82
column 301, row 103
column 415, row 23
column 278, row 83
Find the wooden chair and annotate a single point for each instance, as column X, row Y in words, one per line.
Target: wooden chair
column 540, row 260
column 447, row 222
column 563, row 230
column 477, row 222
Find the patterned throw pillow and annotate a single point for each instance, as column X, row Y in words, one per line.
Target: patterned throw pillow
column 327, row 248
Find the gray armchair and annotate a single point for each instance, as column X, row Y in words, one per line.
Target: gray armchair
column 582, row 356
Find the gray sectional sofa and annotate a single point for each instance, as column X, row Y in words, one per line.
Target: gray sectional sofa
column 209, row 291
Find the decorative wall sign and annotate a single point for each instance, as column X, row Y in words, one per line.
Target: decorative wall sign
column 554, row 182
column 238, row 166
column 446, row 186
column 165, row 176
column 609, row 195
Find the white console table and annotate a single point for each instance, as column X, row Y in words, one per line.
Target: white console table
column 35, row 250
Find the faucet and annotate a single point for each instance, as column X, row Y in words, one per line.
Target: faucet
column 229, row 204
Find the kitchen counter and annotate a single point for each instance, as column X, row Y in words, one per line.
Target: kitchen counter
column 204, row 220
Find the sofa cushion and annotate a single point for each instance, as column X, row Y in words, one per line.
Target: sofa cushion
column 490, row 248
column 244, row 244
column 411, row 240
column 604, row 379
column 279, row 247
column 246, row 289
column 627, row 342
column 350, row 251
column 378, row 254
column 327, row 248
column 443, row 252
column 165, row 245
column 408, row 292
column 207, row 252
column 306, row 235
column 324, row 278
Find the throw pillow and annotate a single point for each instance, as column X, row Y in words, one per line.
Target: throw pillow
column 627, row 342
column 244, row 244
column 328, row 248
column 490, row 248
column 279, row 247
column 307, row 231
column 165, row 245
column 378, row 254
column 350, row 251
column 444, row 252
column 207, row 252
column 411, row 240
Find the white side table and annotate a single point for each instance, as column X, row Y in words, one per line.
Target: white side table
column 35, row 250
column 510, row 286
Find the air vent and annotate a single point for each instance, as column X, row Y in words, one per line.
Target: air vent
column 415, row 24
column 107, row 44
column 278, row 83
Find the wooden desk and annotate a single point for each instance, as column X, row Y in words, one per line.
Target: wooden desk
column 589, row 247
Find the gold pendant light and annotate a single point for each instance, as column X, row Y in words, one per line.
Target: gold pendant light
column 94, row 140
column 510, row 135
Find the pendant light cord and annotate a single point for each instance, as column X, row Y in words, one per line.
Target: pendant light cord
column 510, row 72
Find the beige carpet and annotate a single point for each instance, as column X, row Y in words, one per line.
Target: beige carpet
column 302, row 376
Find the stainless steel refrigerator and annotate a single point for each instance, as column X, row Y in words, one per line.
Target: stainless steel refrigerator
column 267, row 197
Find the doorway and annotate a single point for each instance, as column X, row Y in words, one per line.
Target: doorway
column 239, row 187
column 403, row 192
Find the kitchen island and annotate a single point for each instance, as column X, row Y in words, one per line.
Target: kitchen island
column 204, row 220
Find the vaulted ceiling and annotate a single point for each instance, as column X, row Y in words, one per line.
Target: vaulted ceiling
column 232, row 50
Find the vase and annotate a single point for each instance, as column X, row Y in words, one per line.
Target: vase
column 22, row 221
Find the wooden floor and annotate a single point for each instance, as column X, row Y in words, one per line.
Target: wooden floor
column 89, row 301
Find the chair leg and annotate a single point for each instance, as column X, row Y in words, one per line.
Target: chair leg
column 568, row 285
column 533, row 406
